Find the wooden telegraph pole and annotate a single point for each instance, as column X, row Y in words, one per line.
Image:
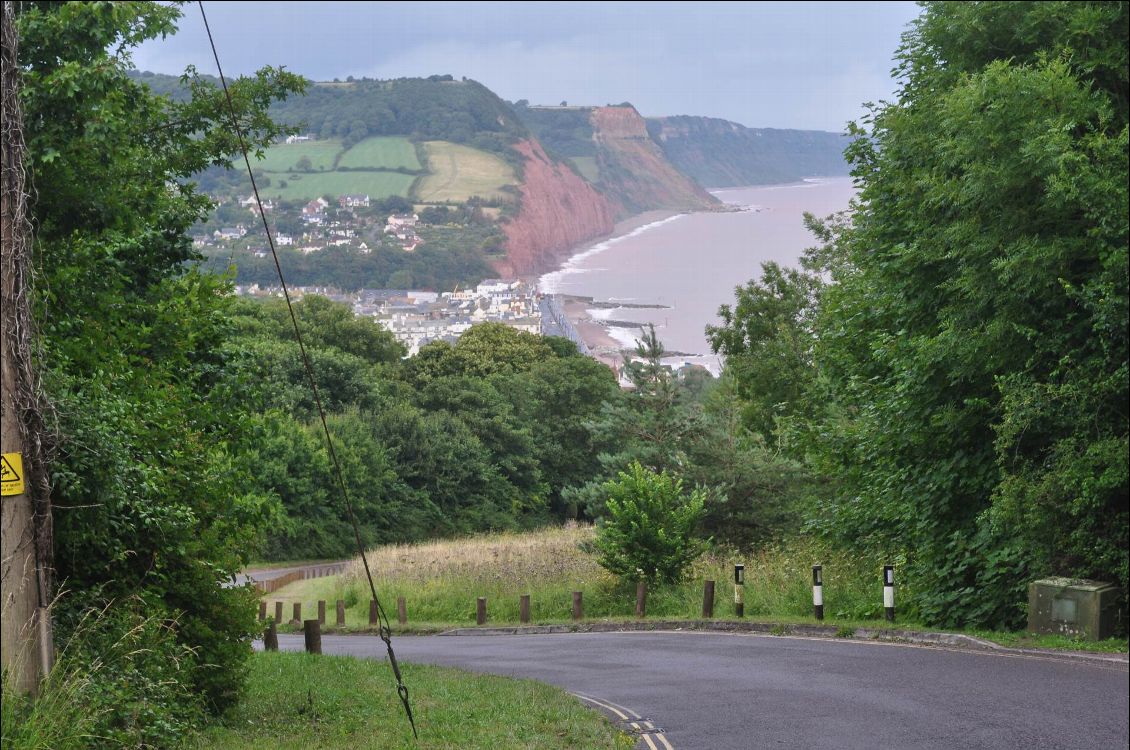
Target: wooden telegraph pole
column 25, row 624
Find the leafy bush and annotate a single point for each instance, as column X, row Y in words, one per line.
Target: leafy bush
column 649, row 530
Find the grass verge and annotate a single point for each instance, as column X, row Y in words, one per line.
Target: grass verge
column 330, row 702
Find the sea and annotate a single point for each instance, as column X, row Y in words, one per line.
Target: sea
column 676, row 272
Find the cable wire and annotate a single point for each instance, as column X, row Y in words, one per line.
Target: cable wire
column 384, row 627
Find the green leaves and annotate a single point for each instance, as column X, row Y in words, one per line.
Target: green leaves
column 649, row 532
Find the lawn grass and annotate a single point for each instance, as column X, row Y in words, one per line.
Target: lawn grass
column 282, row 157
column 312, row 185
column 460, row 172
column 381, row 152
column 297, row 701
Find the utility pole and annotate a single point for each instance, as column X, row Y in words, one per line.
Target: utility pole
column 25, row 625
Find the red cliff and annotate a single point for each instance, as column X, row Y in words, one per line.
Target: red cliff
column 634, row 170
column 559, row 210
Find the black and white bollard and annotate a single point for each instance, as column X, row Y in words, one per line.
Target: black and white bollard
column 739, row 590
column 817, row 592
column 889, row 592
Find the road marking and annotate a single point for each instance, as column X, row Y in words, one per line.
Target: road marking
column 633, row 719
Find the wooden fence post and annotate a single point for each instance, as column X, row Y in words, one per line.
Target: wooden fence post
column 481, row 611
column 340, row 613
column 401, row 610
column 578, row 606
column 524, row 609
column 312, row 630
column 271, row 637
column 708, row 599
column 278, row 611
column 641, row 599
column 374, row 620
column 321, row 611
column 262, row 610
column 297, row 620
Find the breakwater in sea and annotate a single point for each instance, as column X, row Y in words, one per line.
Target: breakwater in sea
column 674, row 273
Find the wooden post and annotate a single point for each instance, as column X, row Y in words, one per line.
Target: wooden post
column 321, row 611
column 401, row 610
column 524, row 609
column 271, row 637
column 481, row 611
column 708, row 599
column 297, row 619
column 262, row 610
column 340, row 613
column 312, row 630
column 278, row 611
column 578, row 606
column 374, row 620
column 26, row 651
column 641, row 599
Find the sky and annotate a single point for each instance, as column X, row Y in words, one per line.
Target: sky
column 808, row 65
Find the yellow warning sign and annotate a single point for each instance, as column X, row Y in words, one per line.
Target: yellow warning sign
column 12, row 475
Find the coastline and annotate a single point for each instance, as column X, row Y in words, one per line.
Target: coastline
column 603, row 346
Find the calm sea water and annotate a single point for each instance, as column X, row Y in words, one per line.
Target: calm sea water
column 691, row 263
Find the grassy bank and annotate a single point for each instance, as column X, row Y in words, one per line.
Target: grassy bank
column 300, row 701
column 441, row 581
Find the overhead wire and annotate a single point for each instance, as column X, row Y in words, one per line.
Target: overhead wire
column 384, row 626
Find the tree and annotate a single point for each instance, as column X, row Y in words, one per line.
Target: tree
column 767, row 340
column 973, row 350
column 150, row 478
column 649, row 531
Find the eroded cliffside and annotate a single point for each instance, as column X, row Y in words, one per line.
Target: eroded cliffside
column 634, row 172
column 559, row 210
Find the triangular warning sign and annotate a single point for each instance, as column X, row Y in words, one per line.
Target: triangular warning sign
column 11, row 474
column 8, row 473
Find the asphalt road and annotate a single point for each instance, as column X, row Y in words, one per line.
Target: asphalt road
column 713, row 691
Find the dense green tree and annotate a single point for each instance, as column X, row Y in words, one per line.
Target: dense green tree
column 150, row 480
column 649, row 529
column 973, row 346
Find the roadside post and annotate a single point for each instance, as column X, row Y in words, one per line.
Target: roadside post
column 401, row 610
column 578, row 606
column 481, row 611
column 312, row 631
column 818, row 592
column 739, row 590
column 707, row 599
column 278, row 611
column 641, row 599
column 339, row 605
column 889, row 592
column 524, row 609
column 262, row 610
column 271, row 637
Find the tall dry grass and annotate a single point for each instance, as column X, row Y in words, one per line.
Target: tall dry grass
column 441, row 581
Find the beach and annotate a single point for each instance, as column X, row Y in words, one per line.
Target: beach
column 675, row 270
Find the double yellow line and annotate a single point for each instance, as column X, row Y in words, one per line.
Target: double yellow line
column 632, row 719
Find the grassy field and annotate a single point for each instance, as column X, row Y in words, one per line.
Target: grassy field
column 310, row 186
column 381, row 153
column 440, row 582
column 283, row 157
column 460, row 172
column 295, row 701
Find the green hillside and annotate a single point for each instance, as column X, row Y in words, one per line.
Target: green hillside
column 720, row 153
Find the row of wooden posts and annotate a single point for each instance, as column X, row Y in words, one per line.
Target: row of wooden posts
column 312, row 628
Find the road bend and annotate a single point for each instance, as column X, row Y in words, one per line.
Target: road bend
column 725, row 691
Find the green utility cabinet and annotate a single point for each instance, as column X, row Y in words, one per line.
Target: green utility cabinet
column 1073, row 607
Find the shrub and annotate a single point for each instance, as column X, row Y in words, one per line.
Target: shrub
column 649, row 530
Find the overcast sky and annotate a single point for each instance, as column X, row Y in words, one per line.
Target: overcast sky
column 774, row 64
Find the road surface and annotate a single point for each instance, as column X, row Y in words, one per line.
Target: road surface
column 715, row 691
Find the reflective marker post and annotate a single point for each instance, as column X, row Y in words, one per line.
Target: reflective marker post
column 739, row 590
column 889, row 592
column 817, row 592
